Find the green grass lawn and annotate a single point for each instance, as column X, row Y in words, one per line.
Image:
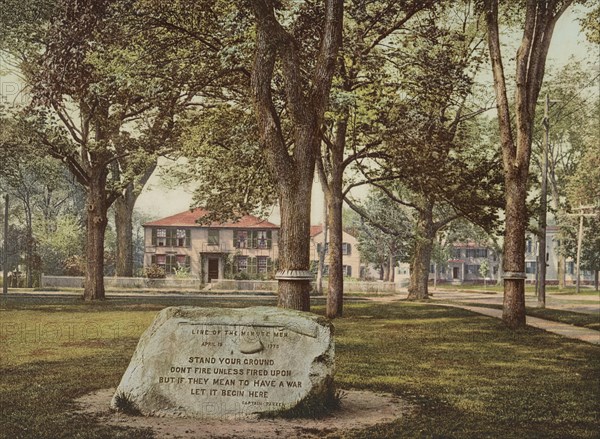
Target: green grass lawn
column 467, row 375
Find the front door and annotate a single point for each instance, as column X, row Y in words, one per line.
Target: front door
column 455, row 272
column 213, row 269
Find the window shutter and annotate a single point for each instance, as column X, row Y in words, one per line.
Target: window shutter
column 153, row 258
column 318, row 248
column 253, row 239
column 188, row 237
column 269, row 265
column 153, row 237
column 252, row 265
column 348, row 250
column 349, row 270
column 236, row 241
column 187, row 262
column 269, row 238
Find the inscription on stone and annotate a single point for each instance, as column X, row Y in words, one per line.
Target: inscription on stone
column 228, row 363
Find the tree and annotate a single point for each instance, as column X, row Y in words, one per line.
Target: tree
column 224, row 163
column 307, row 84
column 515, row 140
column 433, row 145
column 386, row 236
column 571, row 121
column 351, row 133
column 110, row 129
column 37, row 183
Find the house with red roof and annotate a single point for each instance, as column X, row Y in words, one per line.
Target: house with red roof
column 208, row 251
column 350, row 255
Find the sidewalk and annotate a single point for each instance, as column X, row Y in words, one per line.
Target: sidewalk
column 569, row 331
column 584, row 304
column 592, row 306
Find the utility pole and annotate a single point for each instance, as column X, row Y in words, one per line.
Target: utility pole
column 584, row 211
column 541, row 268
column 5, row 252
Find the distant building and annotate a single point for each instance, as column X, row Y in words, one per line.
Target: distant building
column 350, row 254
column 466, row 262
column 207, row 251
column 467, row 258
column 552, row 259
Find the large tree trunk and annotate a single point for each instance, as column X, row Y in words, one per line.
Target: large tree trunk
column 335, row 295
column 306, row 103
column 294, row 243
column 538, row 26
column 386, row 271
column 419, row 276
column 123, row 224
column 514, row 251
column 97, row 207
column 322, row 253
column 124, row 206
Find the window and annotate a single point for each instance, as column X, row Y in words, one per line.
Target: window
column 171, row 262
column 213, row 237
column 320, row 247
column 530, row 267
column 161, row 237
column 346, row 248
column 347, row 270
column 476, row 253
column 171, row 237
column 529, row 245
column 240, row 238
column 181, row 237
column 263, row 264
column 571, row 267
column 432, row 268
column 472, row 269
column 242, row 263
column 261, row 239
column 456, row 253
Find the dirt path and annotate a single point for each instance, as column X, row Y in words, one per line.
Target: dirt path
column 360, row 409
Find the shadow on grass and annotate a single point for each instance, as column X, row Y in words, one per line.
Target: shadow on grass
column 38, row 397
column 470, row 376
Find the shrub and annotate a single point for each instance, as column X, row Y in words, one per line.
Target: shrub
column 155, row 272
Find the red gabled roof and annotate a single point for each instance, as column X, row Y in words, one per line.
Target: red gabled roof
column 189, row 217
column 315, row 230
